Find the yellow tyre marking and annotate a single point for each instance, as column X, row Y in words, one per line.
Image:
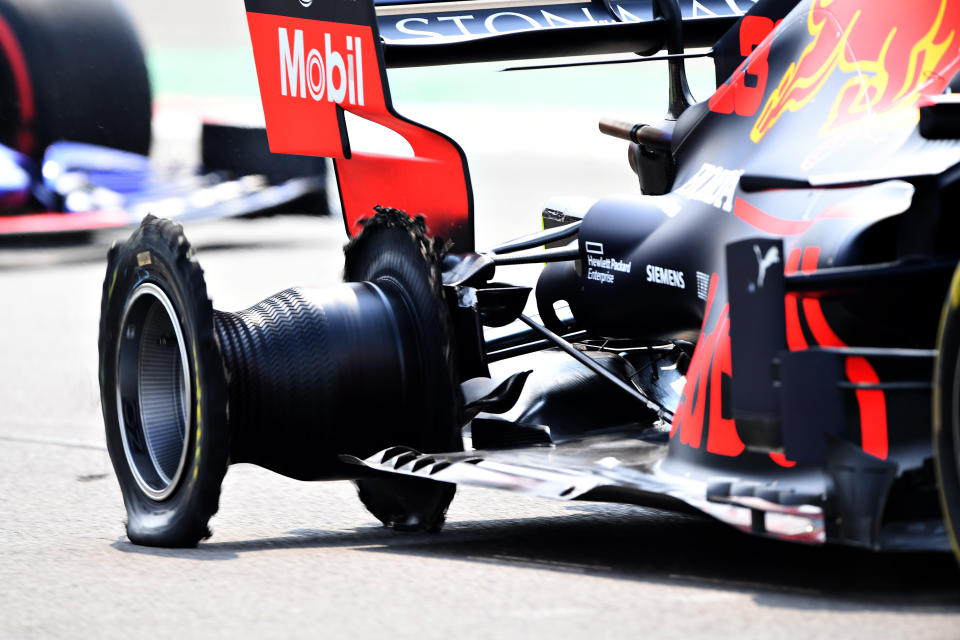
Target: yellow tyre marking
column 954, row 302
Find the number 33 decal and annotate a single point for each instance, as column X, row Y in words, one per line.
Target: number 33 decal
column 743, row 92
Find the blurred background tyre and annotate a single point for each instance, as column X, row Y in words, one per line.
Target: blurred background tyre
column 71, row 71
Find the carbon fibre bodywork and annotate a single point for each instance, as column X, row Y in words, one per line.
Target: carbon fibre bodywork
column 770, row 300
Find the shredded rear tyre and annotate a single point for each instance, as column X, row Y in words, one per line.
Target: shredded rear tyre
column 394, row 251
column 162, row 387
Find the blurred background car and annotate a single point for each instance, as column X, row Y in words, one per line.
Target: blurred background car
column 76, row 111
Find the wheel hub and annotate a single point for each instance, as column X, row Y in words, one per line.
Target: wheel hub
column 153, row 391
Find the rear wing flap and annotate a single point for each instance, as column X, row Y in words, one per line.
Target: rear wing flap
column 438, row 33
column 318, row 59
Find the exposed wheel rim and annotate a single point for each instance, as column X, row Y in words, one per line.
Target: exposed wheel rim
column 153, row 391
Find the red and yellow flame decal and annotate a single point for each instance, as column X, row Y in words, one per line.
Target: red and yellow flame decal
column 893, row 51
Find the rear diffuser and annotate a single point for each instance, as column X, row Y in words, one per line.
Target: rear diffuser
column 605, row 469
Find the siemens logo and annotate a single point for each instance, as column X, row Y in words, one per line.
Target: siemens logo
column 669, row 277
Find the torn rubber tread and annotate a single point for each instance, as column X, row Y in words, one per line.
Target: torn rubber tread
column 181, row 520
column 394, row 250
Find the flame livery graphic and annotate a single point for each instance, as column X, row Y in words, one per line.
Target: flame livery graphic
column 893, row 53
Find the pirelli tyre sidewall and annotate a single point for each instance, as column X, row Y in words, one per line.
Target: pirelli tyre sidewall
column 155, row 265
column 946, row 413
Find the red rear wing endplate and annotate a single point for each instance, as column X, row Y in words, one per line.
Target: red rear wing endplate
column 316, row 61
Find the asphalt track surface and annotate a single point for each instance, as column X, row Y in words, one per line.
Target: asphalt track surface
column 291, row 559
